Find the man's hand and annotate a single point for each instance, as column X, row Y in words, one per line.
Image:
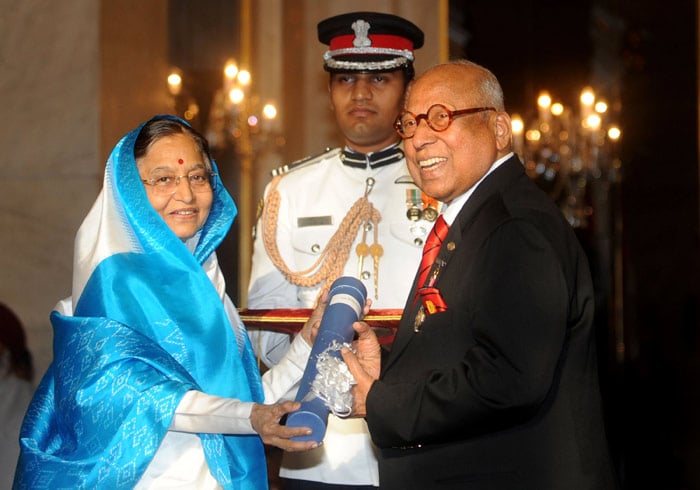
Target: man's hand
column 364, row 366
column 265, row 420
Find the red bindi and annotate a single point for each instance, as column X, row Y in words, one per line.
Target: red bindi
column 180, row 161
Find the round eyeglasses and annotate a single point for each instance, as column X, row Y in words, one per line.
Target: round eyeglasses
column 165, row 183
column 438, row 118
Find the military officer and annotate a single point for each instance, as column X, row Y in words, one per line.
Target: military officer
column 349, row 211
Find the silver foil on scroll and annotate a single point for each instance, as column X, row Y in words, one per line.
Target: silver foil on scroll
column 334, row 382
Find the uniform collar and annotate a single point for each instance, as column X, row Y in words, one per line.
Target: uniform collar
column 375, row 159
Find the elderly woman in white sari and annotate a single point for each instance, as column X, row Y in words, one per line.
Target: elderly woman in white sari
column 154, row 383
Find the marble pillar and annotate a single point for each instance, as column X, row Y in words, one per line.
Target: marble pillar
column 74, row 76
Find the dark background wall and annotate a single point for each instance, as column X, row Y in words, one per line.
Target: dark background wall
column 643, row 54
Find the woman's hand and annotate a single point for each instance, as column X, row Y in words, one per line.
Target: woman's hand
column 310, row 329
column 265, row 420
column 365, row 310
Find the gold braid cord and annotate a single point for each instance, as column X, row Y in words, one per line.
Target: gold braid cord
column 331, row 262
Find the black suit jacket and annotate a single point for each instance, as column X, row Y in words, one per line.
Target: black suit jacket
column 500, row 391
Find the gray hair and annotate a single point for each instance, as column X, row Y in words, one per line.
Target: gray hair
column 488, row 90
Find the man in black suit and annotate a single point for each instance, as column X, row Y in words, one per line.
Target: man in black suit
column 491, row 382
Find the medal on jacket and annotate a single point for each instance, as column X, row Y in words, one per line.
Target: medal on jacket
column 418, row 321
column 430, row 297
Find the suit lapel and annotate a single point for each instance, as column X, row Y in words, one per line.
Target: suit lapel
column 466, row 224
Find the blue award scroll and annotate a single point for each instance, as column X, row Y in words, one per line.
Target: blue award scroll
column 346, row 300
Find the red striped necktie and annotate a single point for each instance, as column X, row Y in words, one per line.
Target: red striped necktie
column 430, row 250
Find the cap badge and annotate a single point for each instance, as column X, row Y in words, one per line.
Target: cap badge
column 361, row 29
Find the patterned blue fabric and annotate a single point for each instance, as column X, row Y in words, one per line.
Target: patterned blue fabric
column 148, row 325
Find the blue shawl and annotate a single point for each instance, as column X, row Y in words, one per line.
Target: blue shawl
column 148, row 325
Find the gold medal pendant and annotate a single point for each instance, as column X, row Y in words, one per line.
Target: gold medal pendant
column 413, row 213
column 430, row 208
column 430, row 213
column 420, row 318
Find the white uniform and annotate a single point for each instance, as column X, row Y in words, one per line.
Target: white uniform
column 315, row 196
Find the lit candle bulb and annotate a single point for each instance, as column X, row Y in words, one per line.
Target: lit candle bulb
column 518, row 128
column 557, row 109
column 614, row 133
column 587, row 101
column 230, row 72
column 175, row 82
column 544, row 102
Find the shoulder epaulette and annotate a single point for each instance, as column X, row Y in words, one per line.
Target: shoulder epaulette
column 304, row 162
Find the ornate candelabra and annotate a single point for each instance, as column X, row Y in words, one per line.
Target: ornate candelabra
column 237, row 121
column 237, row 116
column 567, row 152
